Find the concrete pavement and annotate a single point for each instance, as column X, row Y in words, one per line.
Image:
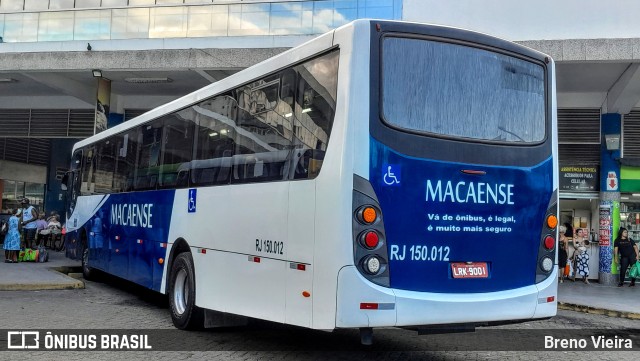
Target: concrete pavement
column 577, row 296
column 31, row 276
column 600, row 299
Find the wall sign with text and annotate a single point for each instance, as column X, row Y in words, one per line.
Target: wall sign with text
column 579, row 178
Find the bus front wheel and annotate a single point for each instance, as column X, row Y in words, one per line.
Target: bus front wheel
column 182, row 294
column 87, row 272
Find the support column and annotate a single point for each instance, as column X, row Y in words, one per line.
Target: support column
column 609, row 210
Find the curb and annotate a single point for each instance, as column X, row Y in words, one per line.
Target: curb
column 69, row 284
column 598, row 311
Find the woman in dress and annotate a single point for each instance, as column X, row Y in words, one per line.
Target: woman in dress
column 562, row 252
column 12, row 240
column 581, row 244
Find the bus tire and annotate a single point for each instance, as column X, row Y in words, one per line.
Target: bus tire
column 182, row 294
column 87, row 272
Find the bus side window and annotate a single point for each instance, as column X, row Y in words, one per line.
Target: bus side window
column 215, row 140
column 88, row 179
column 309, row 164
column 149, row 156
column 176, row 148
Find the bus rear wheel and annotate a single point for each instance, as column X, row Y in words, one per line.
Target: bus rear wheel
column 182, row 294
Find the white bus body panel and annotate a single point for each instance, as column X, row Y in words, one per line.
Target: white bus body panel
column 424, row 308
column 227, row 277
column 334, row 184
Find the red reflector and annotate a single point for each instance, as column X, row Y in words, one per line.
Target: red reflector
column 368, row 306
column 163, row 245
column 549, row 242
column 550, row 299
column 301, row 267
column 256, row 259
column 139, row 241
column 371, row 239
column 117, row 238
column 203, row 251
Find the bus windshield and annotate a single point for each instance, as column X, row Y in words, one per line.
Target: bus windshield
column 461, row 91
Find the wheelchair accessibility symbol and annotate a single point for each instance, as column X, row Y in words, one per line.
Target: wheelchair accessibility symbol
column 193, row 195
column 392, row 175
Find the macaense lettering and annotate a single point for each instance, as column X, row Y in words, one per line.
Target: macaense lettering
column 132, row 215
column 470, row 192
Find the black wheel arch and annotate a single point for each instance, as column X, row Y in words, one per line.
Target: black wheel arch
column 179, row 246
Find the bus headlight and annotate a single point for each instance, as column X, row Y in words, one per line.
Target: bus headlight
column 546, row 264
column 372, row 264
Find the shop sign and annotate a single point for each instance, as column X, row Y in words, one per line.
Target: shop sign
column 579, row 178
column 605, row 227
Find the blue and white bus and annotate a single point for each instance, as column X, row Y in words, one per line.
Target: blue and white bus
column 383, row 174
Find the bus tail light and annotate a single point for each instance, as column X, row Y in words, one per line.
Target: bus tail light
column 546, row 264
column 547, row 249
column 371, row 264
column 549, row 242
column 367, row 214
column 369, row 241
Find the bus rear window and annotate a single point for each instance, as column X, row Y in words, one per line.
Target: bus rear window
column 461, row 91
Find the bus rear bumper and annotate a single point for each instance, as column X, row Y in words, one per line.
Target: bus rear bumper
column 357, row 299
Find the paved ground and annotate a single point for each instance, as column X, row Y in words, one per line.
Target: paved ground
column 38, row 276
column 597, row 298
column 115, row 304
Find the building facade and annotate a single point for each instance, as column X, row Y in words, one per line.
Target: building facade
column 154, row 51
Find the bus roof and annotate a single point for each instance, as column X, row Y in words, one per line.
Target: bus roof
column 273, row 64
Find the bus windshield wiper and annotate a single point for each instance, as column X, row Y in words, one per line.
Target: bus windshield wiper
column 511, row 133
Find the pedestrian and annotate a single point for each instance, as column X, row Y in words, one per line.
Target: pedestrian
column 52, row 216
column 562, row 252
column 12, row 239
column 580, row 243
column 41, row 225
column 625, row 253
column 29, row 216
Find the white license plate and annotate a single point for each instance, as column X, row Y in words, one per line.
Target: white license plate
column 469, row 270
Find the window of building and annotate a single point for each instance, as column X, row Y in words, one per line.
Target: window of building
column 168, row 22
column 92, row 24
column 60, row 4
column 88, row 3
column 208, row 20
column 54, row 26
column 13, row 191
column 130, row 23
column 141, row 2
column 168, row 2
column 21, row 27
column 11, row 5
column 35, row 5
column 113, row 3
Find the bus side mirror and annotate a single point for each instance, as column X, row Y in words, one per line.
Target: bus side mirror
column 64, row 181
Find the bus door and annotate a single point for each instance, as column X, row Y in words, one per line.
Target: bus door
column 71, row 183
